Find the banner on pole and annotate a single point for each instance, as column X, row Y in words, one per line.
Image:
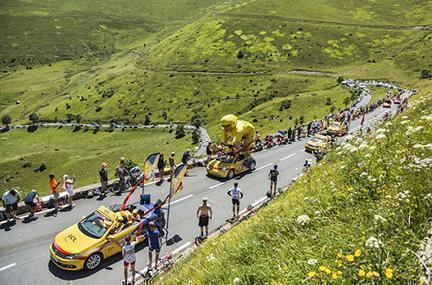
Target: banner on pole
column 150, row 166
column 177, row 179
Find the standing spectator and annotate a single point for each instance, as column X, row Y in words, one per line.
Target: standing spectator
column 121, row 172
column 273, row 174
column 154, row 241
column 103, row 175
column 129, row 258
column 293, row 134
column 204, row 213
column 32, row 200
column 68, row 186
column 10, row 202
column 299, row 130
column 309, row 128
column 236, row 194
column 186, row 156
column 172, row 166
column 289, row 134
column 209, row 151
column 161, row 166
column 54, row 188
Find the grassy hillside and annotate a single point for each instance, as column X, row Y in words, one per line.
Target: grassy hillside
column 80, row 153
column 367, row 208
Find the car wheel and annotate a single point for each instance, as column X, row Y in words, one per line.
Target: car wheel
column 252, row 165
column 231, row 174
column 93, row 261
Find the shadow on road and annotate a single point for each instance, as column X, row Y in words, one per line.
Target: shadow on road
column 105, row 265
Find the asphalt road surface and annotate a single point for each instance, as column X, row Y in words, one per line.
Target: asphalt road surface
column 24, row 249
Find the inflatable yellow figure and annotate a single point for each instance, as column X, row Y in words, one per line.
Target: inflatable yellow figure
column 238, row 133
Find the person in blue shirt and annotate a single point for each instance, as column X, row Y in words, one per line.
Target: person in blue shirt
column 154, row 242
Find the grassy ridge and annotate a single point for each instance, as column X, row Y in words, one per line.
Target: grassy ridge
column 76, row 153
column 367, row 207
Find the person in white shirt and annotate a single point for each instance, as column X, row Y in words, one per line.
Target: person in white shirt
column 129, row 258
column 68, row 186
column 236, row 194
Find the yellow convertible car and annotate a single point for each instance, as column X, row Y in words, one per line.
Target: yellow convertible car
column 84, row 245
column 337, row 129
column 318, row 143
column 225, row 166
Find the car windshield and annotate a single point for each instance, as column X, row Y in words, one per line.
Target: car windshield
column 94, row 225
column 225, row 158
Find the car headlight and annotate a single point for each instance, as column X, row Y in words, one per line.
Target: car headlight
column 72, row 256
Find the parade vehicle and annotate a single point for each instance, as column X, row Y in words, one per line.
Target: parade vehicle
column 337, row 129
column 227, row 166
column 387, row 103
column 85, row 244
column 397, row 101
column 319, row 143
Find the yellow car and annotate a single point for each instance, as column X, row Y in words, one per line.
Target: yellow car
column 84, row 245
column 228, row 166
column 318, row 143
column 337, row 129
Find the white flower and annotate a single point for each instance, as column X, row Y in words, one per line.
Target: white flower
column 367, row 155
column 381, row 136
column 363, row 146
column 211, row 258
column 372, row 147
column 388, row 124
column 412, row 130
column 303, row 220
column 353, row 149
column 312, row 261
column 363, row 174
column 236, row 280
column 379, row 219
column 428, row 117
column 428, row 196
column 317, row 213
column 404, row 122
column 373, row 242
column 402, row 195
column 418, row 146
column 381, row 131
column 405, row 117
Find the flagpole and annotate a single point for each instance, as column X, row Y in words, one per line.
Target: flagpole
column 169, row 203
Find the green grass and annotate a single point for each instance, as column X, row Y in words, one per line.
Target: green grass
column 368, row 187
column 76, row 153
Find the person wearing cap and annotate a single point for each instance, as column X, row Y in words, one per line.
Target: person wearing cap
column 204, row 214
column 238, row 133
column 103, row 175
column 68, row 186
column 154, row 242
column 129, row 257
column 10, row 201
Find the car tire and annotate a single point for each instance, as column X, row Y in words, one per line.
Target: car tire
column 231, row 174
column 252, row 165
column 93, row 261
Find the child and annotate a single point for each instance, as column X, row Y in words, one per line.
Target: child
column 128, row 252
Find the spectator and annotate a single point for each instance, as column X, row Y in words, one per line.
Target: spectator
column 204, row 213
column 129, row 258
column 161, row 166
column 103, row 175
column 309, row 128
column 54, row 188
column 68, row 186
column 299, row 130
column 289, row 134
column 32, row 200
column 154, row 241
column 209, row 151
column 186, row 156
column 10, row 202
column 236, row 194
column 273, row 174
column 171, row 161
column 121, row 172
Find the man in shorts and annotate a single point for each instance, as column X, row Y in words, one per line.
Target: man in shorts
column 103, row 176
column 273, row 174
column 54, row 188
column 10, row 202
column 128, row 252
column 204, row 213
column 31, row 200
column 154, row 242
column 236, row 194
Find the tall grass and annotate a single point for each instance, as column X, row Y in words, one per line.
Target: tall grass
column 356, row 218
